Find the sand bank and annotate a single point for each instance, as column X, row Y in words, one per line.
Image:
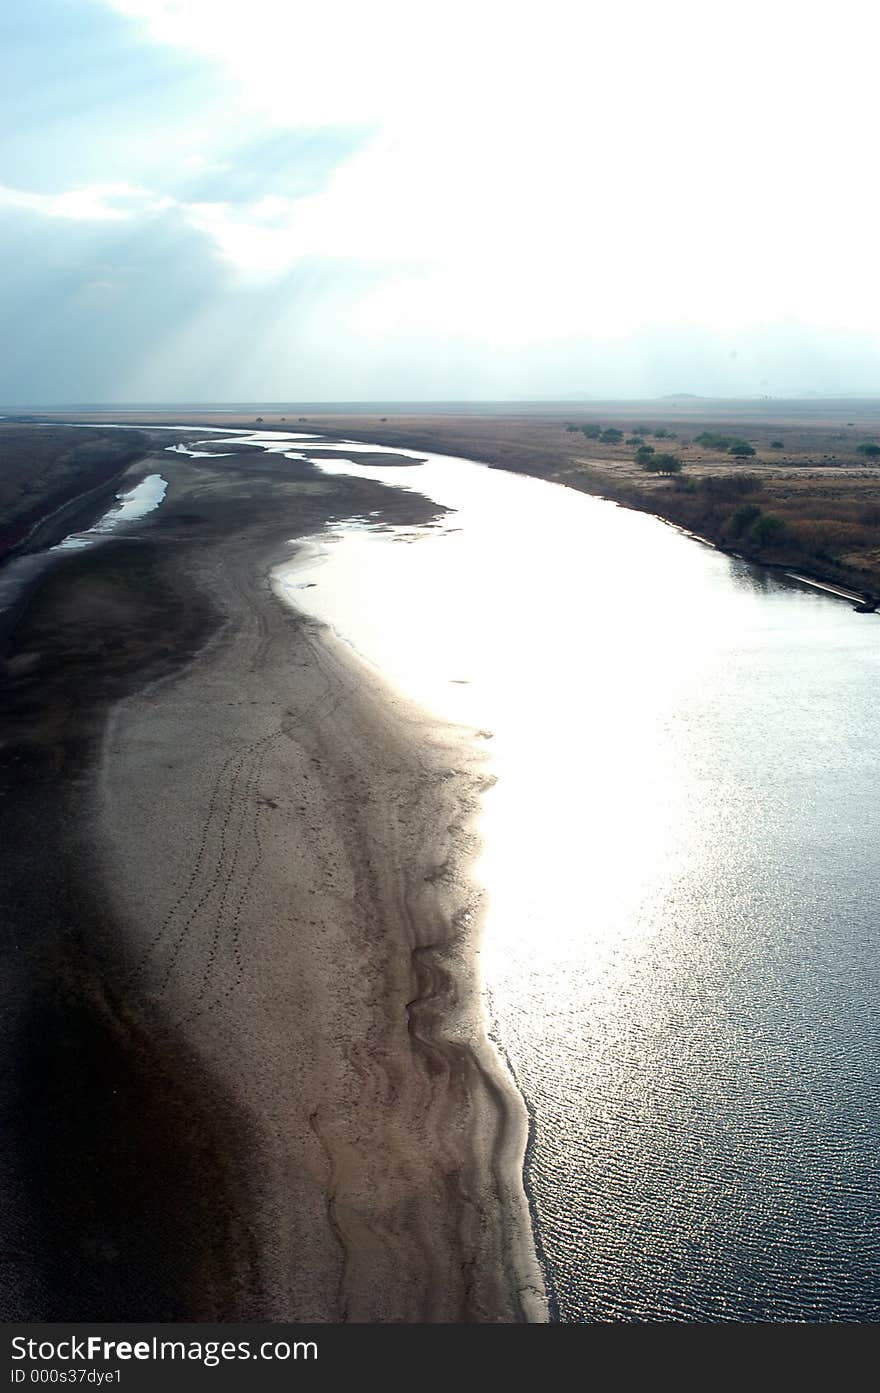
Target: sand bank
column 265, row 950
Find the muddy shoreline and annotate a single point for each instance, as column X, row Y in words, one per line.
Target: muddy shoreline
column 250, row 1072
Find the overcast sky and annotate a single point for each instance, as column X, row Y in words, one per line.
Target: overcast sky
column 202, row 200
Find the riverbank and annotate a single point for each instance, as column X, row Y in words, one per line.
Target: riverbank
column 805, row 472
column 252, row 1075
column 805, row 499
column 56, row 478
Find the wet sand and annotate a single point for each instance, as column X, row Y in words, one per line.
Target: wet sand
column 252, row 1080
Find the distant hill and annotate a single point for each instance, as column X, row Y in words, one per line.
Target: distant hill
column 681, row 396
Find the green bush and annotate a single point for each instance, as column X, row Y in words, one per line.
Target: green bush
column 643, row 454
column 662, row 464
column 743, row 518
column 869, row 449
column 777, row 444
column 741, row 449
column 714, row 440
column 611, row 436
column 767, row 530
column 591, row 432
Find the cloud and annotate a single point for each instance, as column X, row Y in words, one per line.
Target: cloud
column 266, row 236
column 542, row 172
column 490, row 189
column 91, row 203
column 201, row 162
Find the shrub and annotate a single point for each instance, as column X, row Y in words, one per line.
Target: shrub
column 777, row 444
column 643, row 454
column 767, row 530
column 743, row 518
column 869, row 449
column 635, row 440
column 661, row 433
column 662, row 464
column 730, row 486
column 611, row 436
column 591, row 432
column 742, row 449
column 713, row 441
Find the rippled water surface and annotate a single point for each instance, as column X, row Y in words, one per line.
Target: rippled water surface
column 681, row 853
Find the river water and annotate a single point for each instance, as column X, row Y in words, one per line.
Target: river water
column 680, row 957
column 681, row 858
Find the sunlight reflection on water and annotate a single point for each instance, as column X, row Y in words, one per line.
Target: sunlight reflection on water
column 680, row 952
column 135, row 503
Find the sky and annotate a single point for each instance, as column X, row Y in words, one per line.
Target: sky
column 395, row 200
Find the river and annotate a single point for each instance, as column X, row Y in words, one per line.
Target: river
column 680, row 853
column 681, row 876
